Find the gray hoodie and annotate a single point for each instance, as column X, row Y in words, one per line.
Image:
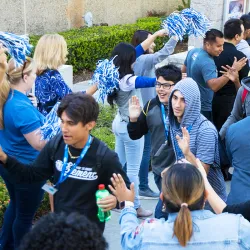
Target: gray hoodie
column 145, row 66
column 239, row 109
column 244, row 47
column 203, row 134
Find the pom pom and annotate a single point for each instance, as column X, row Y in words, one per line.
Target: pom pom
column 17, row 46
column 176, row 25
column 106, row 76
column 51, row 127
column 188, row 21
column 198, row 24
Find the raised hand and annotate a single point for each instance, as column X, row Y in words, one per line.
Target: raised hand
column 184, row 142
column 238, row 65
column 120, row 190
column 231, row 73
column 134, row 108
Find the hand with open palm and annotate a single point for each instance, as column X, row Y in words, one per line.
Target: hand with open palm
column 134, row 109
column 184, row 142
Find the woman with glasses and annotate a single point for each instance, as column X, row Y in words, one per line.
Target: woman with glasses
column 145, row 66
column 51, row 53
column 20, row 124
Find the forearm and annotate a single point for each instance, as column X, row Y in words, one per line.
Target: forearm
column 214, row 200
column 237, row 84
column 92, row 89
column 217, row 83
column 192, row 159
column 129, row 223
column 134, row 130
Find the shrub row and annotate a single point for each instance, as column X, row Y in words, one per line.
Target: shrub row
column 88, row 45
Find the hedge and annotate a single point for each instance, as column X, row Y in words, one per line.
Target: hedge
column 102, row 131
column 88, row 45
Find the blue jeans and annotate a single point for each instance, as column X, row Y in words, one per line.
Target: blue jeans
column 143, row 174
column 24, row 201
column 158, row 209
column 129, row 153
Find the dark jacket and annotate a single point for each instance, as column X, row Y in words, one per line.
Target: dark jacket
column 151, row 120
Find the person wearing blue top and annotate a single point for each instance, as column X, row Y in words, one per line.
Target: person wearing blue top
column 238, row 146
column 145, row 66
column 20, row 137
column 189, row 225
column 50, row 87
column 199, row 65
column 129, row 151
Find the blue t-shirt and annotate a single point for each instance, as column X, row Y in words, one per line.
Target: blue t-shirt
column 201, row 67
column 20, row 118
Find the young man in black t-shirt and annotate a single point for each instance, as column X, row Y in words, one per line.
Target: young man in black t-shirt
column 76, row 184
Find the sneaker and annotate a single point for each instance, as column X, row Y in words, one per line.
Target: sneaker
column 141, row 212
column 148, row 194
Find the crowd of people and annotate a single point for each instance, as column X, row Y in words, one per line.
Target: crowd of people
column 188, row 124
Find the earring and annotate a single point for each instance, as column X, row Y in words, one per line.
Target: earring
column 163, row 209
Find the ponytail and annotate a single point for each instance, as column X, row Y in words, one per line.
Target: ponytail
column 4, row 92
column 183, row 228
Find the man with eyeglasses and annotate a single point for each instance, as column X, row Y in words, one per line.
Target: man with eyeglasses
column 152, row 118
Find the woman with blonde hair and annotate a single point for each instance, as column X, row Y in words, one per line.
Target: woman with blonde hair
column 188, row 226
column 20, row 136
column 51, row 53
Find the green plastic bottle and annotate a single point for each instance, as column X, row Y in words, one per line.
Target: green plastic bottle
column 102, row 193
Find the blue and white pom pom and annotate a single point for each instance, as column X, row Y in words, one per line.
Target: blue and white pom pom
column 51, row 127
column 176, row 25
column 106, row 76
column 17, row 46
column 188, row 21
column 198, row 24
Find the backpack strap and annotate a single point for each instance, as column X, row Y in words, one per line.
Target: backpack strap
column 146, row 112
column 244, row 95
column 101, row 150
column 55, row 144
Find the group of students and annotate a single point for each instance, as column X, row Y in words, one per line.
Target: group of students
column 176, row 123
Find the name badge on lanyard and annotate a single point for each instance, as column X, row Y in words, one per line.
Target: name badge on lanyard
column 63, row 176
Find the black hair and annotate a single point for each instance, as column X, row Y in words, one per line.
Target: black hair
column 64, row 232
column 211, row 35
column 79, row 107
column 140, row 36
column 246, row 21
column 232, row 28
column 169, row 72
column 125, row 56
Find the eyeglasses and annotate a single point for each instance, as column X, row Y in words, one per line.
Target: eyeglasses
column 164, row 85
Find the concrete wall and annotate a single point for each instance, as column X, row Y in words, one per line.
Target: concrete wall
column 213, row 10
column 43, row 16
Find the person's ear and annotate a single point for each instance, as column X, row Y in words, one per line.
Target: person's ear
column 25, row 78
column 161, row 196
column 90, row 125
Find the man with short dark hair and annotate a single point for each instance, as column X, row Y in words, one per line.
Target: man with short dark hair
column 77, row 161
column 243, row 46
column 224, row 97
column 61, row 231
column 200, row 66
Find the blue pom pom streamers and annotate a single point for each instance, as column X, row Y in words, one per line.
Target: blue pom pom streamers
column 17, row 46
column 51, row 127
column 188, row 21
column 106, row 76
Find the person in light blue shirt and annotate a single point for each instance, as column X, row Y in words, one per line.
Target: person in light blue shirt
column 189, row 226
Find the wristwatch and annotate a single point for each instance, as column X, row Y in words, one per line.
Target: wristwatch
column 124, row 204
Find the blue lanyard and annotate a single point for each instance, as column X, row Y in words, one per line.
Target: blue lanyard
column 64, row 176
column 164, row 118
column 178, row 151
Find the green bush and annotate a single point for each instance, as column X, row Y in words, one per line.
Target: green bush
column 102, row 131
column 88, row 45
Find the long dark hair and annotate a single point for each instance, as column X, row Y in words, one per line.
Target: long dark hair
column 140, row 36
column 184, row 191
column 124, row 56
